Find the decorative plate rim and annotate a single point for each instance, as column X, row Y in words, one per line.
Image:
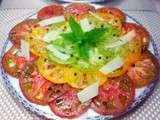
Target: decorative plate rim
column 136, row 103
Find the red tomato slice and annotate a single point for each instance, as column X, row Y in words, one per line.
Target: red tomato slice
column 114, row 11
column 115, row 96
column 31, row 85
column 50, row 11
column 53, row 91
column 142, row 33
column 12, row 63
column 78, row 9
column 21, row 30
column 68, row 105
column 145, row 70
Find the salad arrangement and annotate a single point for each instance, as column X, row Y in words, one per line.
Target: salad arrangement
column 77, row 57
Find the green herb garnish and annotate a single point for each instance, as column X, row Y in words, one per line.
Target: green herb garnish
column 84, row 40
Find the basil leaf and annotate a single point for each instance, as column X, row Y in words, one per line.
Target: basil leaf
column 84, row 51
column 68, row 36
column 93, row 35
column 71, row 37
column 76, row 29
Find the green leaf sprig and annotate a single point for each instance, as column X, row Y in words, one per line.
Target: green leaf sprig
column 83, row 39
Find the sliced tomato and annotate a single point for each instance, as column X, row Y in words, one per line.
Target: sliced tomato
column 12, row 63
column 78, row 9
column 113, row 11
column 37, row 33
column 21, row 30
column 142, row 33
column 38, row 47
column 79, row 79
column 53, row 91
column 50, row 11
column 31, row 85
column 68, row 105
column 133, row 51
column 51, row 71
column 111, row 19
column 35, row 39
column 145, row 70
column 115, row 96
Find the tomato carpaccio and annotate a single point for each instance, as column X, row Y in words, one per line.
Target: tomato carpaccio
column 45, row 82
column 21, row 30
column 115, row 96
column 50, row 11
column 145, row 70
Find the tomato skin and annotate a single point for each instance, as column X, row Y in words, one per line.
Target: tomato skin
column 113, row 11
column 115, row 96
column 21, row 30
column 78, row 10
column 68, row 105
column 145, row 70
column 50, row 11
column 142, row 33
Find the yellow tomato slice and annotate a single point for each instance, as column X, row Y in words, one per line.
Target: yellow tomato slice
column 134, row 50
column 111, row 19
column 51, row 71
column 35, row 38
column 37, row 33
column 131, row 54
column 79, row 79
column 38, row 47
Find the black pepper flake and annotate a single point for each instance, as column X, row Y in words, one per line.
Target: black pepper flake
column 116, row 21
column 57, row 91
column 30, row 38
column 65, row 27
column 75, row 74
column 45, row 60
column 47, row 29
column 99, row 57
column 109, row 12
column 102, row 26
column 50, row 88
column 114, row 35
column 71, row 55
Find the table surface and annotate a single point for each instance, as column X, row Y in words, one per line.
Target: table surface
column 10, row 109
